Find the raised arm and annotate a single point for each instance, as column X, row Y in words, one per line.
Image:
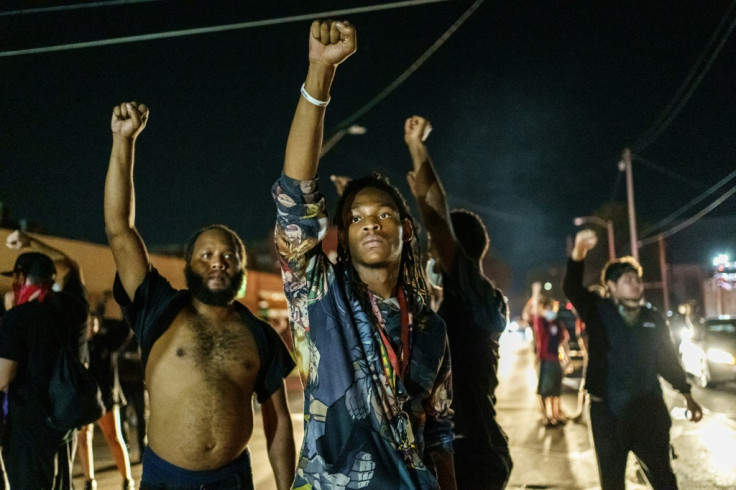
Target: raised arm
column 68, row 272
column 279, row 438
column 582, row 299
column 330, row 43
column 585, row 241
column 427, row 188
column 128, row 249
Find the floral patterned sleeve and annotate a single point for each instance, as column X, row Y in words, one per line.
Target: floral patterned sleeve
column 301, row 224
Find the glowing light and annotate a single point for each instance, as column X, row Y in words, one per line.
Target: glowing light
column 547, row 286
column 721, row 259
column 721, row 357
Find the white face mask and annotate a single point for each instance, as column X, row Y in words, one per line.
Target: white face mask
column 434, row 276
column 550, row 315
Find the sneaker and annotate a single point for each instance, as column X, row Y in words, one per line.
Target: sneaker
column 128, row 485
column 90, row 484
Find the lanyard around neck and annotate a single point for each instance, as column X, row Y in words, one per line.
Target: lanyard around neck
column 400, row 362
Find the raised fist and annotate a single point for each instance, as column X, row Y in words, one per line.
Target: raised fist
column 416, row 130
column 129, row 119
column 332, row 42
column 17, row 240
column 585, row 240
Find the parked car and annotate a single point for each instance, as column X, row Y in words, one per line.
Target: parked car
column 709, row 351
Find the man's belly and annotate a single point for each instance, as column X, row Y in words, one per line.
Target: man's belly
column 201, row 432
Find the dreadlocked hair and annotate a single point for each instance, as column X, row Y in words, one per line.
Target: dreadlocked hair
column 411, row 274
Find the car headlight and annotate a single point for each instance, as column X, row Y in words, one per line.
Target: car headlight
column 721, row 357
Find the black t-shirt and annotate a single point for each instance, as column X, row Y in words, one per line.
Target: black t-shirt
column 475, row 313
column 155, row 305
column 28, row 337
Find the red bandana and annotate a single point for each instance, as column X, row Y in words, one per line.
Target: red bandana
column 22, row 294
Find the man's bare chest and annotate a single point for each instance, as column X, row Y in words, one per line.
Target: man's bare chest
column 225, row 348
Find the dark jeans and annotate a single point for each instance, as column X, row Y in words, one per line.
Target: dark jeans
column 162, row 475
column 643, row 427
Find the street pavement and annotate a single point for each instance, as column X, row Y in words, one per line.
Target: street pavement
column 544, row 458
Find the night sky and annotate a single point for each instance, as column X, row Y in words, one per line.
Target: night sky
column 532, row 104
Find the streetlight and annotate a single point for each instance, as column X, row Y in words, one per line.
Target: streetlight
column 332, row 140
column 607, row 223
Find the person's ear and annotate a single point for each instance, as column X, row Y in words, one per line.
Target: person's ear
column 407, row 231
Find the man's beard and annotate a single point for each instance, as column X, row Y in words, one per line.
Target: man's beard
column 223, row 297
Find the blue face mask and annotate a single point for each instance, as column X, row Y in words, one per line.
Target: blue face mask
column 550, row 315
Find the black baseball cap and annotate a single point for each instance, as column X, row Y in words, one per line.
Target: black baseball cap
column 33, row 264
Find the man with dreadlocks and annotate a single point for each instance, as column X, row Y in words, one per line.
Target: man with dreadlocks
column 373, row 357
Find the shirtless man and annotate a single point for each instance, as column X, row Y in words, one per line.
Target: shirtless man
column 204, row 354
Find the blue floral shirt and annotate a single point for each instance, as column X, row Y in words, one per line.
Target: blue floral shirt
column 352, row 433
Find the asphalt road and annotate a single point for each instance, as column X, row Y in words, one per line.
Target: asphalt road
column 549, row 458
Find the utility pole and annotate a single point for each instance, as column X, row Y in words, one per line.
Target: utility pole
column 625, row 165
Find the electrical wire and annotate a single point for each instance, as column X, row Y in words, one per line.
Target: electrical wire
column 409, row 71
column 76, row 6
column 222, row 28
column 686, row 207
column 690, row 220
column 674, row 175
column 684, row 92
column 481, row 209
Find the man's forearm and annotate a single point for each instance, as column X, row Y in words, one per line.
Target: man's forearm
column 279, row 438
column 119, row 208
column 282, row 455
column 305, row 136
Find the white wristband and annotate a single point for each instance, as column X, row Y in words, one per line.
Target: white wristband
column 312, row 100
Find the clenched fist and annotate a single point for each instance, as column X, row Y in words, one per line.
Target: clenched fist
column 129, row 119
column 585, row 240
column 332, row 42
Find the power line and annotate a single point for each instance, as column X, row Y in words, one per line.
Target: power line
column 691, row 220
column 689, row 205
column 684, row 93
column 480, row 209
column 222, row 28
column 674, row 175
column 77, row 6
column 409, row 71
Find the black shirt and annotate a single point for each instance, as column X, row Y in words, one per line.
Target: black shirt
column 28, row 336
column 623, row 360
column 475, row 313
